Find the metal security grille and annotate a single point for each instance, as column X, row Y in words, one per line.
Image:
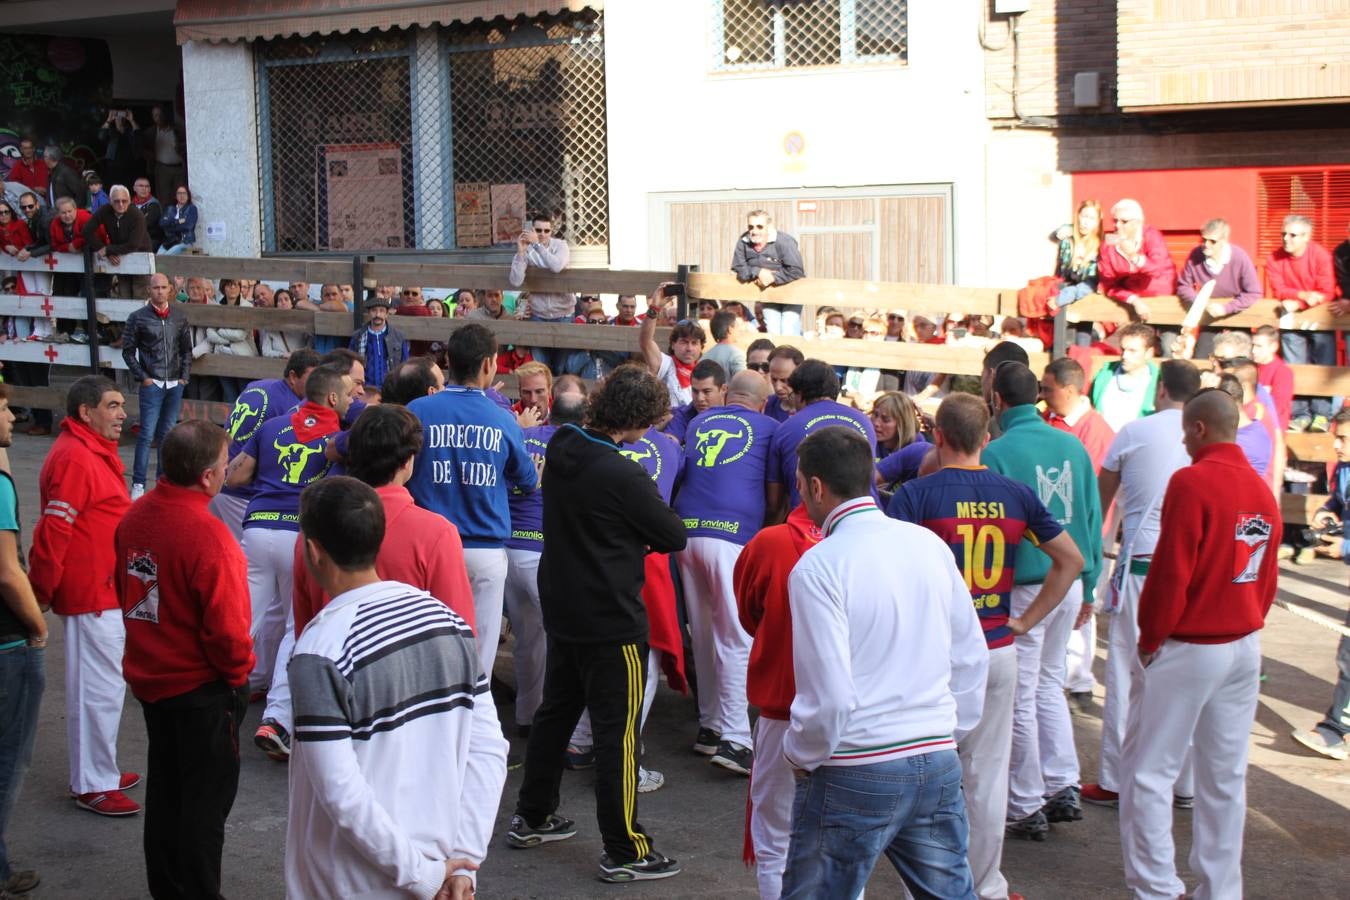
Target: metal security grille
column 776, row 34
column 528, row 109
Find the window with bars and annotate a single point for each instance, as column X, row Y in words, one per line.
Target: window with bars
column 786, row 34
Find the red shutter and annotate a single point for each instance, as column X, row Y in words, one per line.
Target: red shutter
column 1322, row 195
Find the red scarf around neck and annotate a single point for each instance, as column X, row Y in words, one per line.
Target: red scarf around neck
column 683, row 374
column 313, row 421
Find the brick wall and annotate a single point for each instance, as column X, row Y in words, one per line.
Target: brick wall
column 1179, row 53
column 1134, row 152
column 1056, row 38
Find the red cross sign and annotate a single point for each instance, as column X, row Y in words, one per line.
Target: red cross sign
column 51, row 261
column 50, row 353
column 47, row 306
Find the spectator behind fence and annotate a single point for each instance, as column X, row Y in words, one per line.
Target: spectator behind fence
column 167, row 147
column 65, row 181
column 67, row 228
column 179, row 223
column 1341, row 263
column 1135, row 263
column 1236, row 285
column 676, row 368
column 1273, row 372
column 726, row 329
column 383, row 345
column 1079, row 246
column 150, row 207
column 538, row 248
column 627, row 311
column 1301, row 274
column 766, row 256
column 98, row 198
column 124, row 228
column 157, row 348
column 120, row 153
column 28, row 170
column 39, row 222
column 281, row 343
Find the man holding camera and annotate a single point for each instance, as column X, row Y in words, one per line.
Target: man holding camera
column 538, row 248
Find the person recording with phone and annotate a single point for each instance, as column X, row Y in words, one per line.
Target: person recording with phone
column 538, row 248
column 118, row 136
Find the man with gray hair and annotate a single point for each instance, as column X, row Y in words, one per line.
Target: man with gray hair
column 766, row 256
column 1136, row 263
column 1302, row 275
column 65, row 181
column 1236, row 284
column 125, row 230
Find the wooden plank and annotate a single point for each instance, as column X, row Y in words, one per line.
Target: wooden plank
column 1164, row 311
column 251, row 367
column 44, row 353
column 1299, row 508
column 64, row 307
column 213, row 315
column 1321, row 381
column 850, row 294
column 1310, row 446
column 287, row 269
column 569, row 281
column 130, row 264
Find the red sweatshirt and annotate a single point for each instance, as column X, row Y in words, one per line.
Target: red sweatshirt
column 15, row 234
column 420, row 548
column 83, row 493
column 1313, row 271
column 183, row 584
column 76, row 242
column 761, row 584
column 34, row 177
column 1279, row 380
column 1118, row 278
column 1091, row 429
column 1212, row 578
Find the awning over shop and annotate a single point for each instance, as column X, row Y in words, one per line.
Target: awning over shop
column 246, row 20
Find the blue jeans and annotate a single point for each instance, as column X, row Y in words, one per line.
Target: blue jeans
column 22, row 679
column 1072, row 293
column 1301, row 348
column 845, row 817
column 175, row 249
column 556, row 358
column 782, row 318
column 159, row 413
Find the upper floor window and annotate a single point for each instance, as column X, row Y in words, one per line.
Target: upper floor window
column 788, row 34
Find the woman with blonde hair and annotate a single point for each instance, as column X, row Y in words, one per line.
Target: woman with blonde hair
column 901, row 445
column 1080, row 243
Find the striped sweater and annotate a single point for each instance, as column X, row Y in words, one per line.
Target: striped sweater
column 399, row 760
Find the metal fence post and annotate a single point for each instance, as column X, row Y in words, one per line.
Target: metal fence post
column 91, row 310
column 1061, row 343
column 358, row 293
column 682, row 302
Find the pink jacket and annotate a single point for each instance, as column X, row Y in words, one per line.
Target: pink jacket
column 1118, row 278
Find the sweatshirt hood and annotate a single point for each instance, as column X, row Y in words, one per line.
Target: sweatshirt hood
column 573, row 447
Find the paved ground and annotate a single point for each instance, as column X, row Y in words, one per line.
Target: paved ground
column 1297, row 820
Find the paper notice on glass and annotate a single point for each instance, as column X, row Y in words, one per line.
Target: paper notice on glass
column 364, row 196
column 508, row 212
column 473, row 214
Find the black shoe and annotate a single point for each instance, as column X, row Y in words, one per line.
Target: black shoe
column 523, row 731
column 650, row 868
column 555, row 828
column 1033, row 828
column 1080, row 702
column 1064, row 806
column 707, row 741
column 733, row 757
column 21, row 882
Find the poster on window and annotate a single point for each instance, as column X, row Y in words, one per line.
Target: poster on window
column 508, row 212
column 362, row 203
column 473, row 214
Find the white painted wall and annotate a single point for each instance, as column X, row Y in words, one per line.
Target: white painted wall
column 222, row 140
column 1028, row 198
column 677, row 125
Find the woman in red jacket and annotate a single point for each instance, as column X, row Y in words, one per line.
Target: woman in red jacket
column 14, row 234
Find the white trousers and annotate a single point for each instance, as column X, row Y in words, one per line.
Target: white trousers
column 984, row 765
column 1122, row 667
column 1044, row 758
column 95, row 691
column 1082, row 648
column 271, row 561
column 487, row 580
column 521, row 596
column 230, row 510
column 721, row 646
column 279, row 693
column 1204, row 694
column 772, row 788
column 582, row 736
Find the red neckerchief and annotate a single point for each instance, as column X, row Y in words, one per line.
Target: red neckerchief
column 139, row 202
column 162, row 313
column 312, row 421
column 683, row 373
column 759, row 248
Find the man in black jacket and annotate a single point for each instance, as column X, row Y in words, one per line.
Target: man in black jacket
column 39, row 222
column 601, row 514
column 65, row 181
column 157, row 347
column 125, row 226
column 766, row 256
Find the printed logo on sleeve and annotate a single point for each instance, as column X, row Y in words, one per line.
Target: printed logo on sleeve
column 143, row 567
column 1253, row 537
column 249, row 412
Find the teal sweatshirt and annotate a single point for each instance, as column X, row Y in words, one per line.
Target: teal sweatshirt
column 1056, row 466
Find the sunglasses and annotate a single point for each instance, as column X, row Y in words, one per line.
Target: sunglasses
column 1286, row 234
column 543, row 231
column 28, row 206
column 762, row 368
column 1209, row 242
column 412, row 293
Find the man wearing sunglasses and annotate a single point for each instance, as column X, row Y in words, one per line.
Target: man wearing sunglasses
column 538, row 248
column 1236, row 285
column 39, row 223
column 124, row 228
column 767, row 257
column 1302, row 275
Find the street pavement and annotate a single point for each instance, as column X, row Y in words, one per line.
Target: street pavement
column 1297, row 823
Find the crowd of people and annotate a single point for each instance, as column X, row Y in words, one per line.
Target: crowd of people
column 347, row 550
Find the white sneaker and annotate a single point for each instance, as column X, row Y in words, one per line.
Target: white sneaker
column 649, row 780
column 137, row 491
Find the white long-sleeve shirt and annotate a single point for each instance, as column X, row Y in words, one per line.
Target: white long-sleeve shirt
column 887, row 650
column 399, row 760
column 551, row 255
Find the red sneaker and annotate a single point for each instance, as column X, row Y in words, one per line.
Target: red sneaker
column 129, row 781
column 108, row 803
column 1013, row 895
column 1095, row 793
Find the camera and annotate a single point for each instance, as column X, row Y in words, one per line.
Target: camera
column 1310, row 536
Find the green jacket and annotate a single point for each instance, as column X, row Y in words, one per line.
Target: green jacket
column 1056, row 466
column 1108, row 371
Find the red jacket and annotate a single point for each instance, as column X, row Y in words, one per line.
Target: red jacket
column 83, row 493
column 420, row 548
column 76, row 242
column 761, row 584
column 1091, row 429
column 1279, row 380
column 183, row 585
column 1313, row 271
column 15, row 234
column 1212, row 578
column 33, row 177
column 1118, row 278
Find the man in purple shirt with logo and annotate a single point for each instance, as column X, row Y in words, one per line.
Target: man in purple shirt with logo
column 722, row 503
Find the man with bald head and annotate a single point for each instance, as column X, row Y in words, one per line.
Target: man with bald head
column 722, row 502
column 157, row 348
column 1208, row 589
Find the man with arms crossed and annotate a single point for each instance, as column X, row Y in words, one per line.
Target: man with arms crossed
column 983, row 518
column 856, row 729
column 399, row 760
column 1204, row 602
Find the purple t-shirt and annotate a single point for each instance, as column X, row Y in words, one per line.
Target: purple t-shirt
column 1256, row 445
column 680, row 417
column 725, row 464
column 285, row 468
column 259, row 401
column 774, row 409
column 660, row 455
column 903, row 464
column 527, row 507
column 817, row 415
